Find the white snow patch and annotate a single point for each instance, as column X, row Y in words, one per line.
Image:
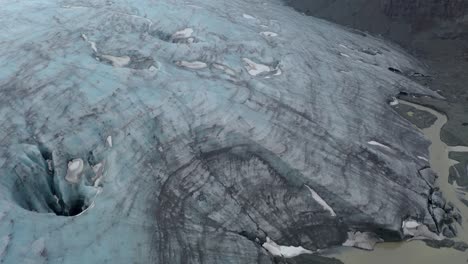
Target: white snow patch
column 98, row 170
column 375, row 143
column 458, row 148
column 268, row 34
column 363, row 240
column 344, row 46
column 284, row 251
column 117, row 61
column 196, row 65
column 319, row 200
column 344, row 55
column 423, row 158
column 419, row 231
column 255, row 69
column 410, row 224
column 394, row 101
column 91, row 43
column 109, row 141
column 75, row 167
column 50, row 165
column 248, row 16
column 184, row 33
column 152, row 68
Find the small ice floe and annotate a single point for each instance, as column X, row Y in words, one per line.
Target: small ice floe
column 319, row 200
column 268, row 34
column 255, row 69
column 362, row 240
column 423, row 158
column 109, row 141
column 195, row 65
column 284, row 251
column 183, row 34
column 117, row 61
column 248, row 16
column 419, row 231
column 91, row 43
column 394, row 101
column 75, row 167
column 375, row 143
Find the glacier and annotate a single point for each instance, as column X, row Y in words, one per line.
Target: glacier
column 193, row 131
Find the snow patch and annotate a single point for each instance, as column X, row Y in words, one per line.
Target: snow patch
column 284, row 251
column 91, row 43
column 458, row 148
column 344, row 46
column 375, row 143
column 248, row 16
column 344, row 55
column 117, row 61
column 196, row 65
column 98, row 170
column 423, row 158
column 319, row 200
column 419, row 231
column 394, row 101
column 255, row 69
column 184, row 33
column 152, row 68
column 109, row 141
column 75, row 167
column 268, row 34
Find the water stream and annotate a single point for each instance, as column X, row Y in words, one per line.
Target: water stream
column 415, row 252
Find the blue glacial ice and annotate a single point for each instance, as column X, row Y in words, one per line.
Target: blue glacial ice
column 196, row 131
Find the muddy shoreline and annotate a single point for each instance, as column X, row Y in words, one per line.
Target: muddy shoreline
column 417, row 251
